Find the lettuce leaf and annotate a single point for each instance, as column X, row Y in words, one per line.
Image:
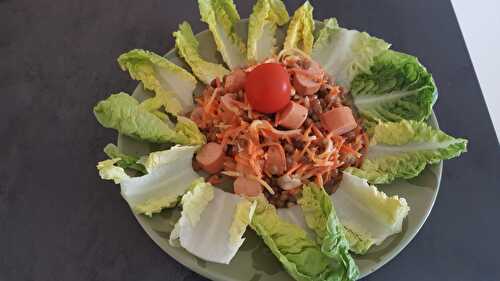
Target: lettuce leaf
column 321, row 217
column 344, row 53
column 300, row 33
column 403, row 149
column 299, row 255
column 126, row 161
column 212, row 223
column 221, row 17
column 262, row 24
column 187, row 46
column 172, row 84
column 369, row 214
column 123, row 113
column 108, row 171
column 170, row 175
column 397, row 87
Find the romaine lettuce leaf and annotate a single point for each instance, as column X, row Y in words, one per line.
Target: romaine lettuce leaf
column 300, row 256
column 126, row 161
column 173, row 84
column 265, row 17
column 320, row 216
column 187, row 46
column 123, row 113
column 221, row 17
column 344, row 53
column 108, row 170
column 396, row 87
column 300, row 33
column 170, row 175
column 369, row 214
column 212, row 223
column 188, row 128
column 403, row 149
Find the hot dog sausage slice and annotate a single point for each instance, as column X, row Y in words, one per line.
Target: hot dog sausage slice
column 247, row 187
column 292, row 116
column 338, row 120
column 211, row 157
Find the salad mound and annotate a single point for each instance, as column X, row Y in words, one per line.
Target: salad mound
column 304, row 126
column 312, row 139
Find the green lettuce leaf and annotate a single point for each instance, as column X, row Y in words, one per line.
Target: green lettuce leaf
column 321, row 217
column 187, row 46
column 123, row 113
column 212, row 223
column 172, row 84
column 262, row 24
column 170, row 176
column 403, row 149
column 397, row 87
column 126, row 161
column 108, row 171
column 299, row 255
column 300, row 33
column 188, row 128
column 221, row 17
column 344, row 53
column 369, row 214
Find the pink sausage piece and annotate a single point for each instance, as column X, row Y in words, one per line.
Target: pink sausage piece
column 247, row 187
column 235, row 81
column 211, row 157
column 293, row 116
column 338, row 120
column 275, row 163
column 304, row 85
column 197, row 115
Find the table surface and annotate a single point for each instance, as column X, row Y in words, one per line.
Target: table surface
column 58, row 221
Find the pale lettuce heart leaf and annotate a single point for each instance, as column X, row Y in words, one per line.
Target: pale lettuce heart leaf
column 190, row 130
column 368, row 213
column 109, row 171
column 300, row 33
column 221, row 17
column 397, row 87
column 301, row 256
column 187, row 47
column 262, row 24
column 124, row 114
column 212, row 223
column 126, row 161
column 321, row 217
column 403, row 149
column 344, row 53
column 173, row 84
column 170, row 176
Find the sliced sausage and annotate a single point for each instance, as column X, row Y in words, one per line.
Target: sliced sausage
column 247, row 187
column 293, row 116
column 275, row 163
column 338, row 120
column 235, row 81
column 197, row 116
column 304, row 85
column 211, row 157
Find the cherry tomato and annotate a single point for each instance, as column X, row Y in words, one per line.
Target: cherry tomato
column 268, row 88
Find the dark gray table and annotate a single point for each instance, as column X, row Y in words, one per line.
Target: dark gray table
column 58, row 221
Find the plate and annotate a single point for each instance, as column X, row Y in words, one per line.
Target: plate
column 254, row 261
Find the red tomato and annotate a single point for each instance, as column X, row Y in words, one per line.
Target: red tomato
column 268, row 88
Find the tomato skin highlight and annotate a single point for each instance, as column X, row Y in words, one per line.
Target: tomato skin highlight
column 268, row 88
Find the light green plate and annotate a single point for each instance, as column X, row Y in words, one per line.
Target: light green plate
column 254, row 261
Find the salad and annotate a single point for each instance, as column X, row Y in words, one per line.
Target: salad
column 284, row 139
